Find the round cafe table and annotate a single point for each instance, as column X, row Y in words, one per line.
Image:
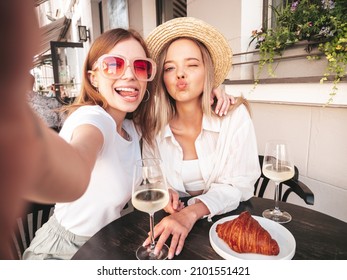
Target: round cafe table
column 317, row 236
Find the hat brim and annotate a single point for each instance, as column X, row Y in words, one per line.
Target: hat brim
column 190, row 27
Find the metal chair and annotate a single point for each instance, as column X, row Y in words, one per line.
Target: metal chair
column 33, row 218
column 292, row 185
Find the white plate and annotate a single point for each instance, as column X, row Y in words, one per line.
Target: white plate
column 284, row 238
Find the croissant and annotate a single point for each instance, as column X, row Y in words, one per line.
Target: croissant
column 245, row 235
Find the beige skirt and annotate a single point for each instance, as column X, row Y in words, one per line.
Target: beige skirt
column 52, row 241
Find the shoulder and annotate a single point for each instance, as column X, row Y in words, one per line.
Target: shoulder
column 93, row 115
column 241, row 112
column 238, row 117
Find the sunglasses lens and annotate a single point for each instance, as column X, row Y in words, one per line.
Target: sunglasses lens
column 143, row 69
column 113, row 66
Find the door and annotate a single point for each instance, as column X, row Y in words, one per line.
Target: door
column 67, row 62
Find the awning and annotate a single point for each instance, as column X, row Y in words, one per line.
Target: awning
column 54, row 31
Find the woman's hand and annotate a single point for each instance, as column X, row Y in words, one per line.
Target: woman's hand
column 178, row 224
column 224, row 101
column 175, row 204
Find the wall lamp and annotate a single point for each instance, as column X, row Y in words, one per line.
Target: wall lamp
column 83, row 33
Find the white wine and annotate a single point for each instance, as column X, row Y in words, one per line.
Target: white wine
column 281, row 174
column 150, row 200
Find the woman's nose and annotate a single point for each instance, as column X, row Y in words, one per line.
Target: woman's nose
column 181, row 73
column 128, row 73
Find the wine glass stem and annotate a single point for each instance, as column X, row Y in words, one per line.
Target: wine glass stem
column 277, row 210
column 151, row 224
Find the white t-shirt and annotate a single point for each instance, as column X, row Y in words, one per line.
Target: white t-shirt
column 111, row 181
column 228, row 160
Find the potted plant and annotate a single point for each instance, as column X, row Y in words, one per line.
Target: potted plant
column 314, row 23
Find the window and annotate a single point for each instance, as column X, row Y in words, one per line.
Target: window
column 169, row 9
column 268, row 12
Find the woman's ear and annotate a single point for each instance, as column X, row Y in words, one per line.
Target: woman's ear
column 93, row 79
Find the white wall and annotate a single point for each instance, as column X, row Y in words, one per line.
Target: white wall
column 142, row 16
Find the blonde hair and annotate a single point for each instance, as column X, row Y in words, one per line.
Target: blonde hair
column 165, row 105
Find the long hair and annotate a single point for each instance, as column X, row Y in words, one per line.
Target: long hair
column 143, row 116
column 165, row 105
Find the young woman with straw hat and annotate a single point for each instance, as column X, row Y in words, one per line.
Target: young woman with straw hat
column 214, row 160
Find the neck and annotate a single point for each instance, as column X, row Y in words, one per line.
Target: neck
column 118, row 117
column 187, row 118
column 189, row 113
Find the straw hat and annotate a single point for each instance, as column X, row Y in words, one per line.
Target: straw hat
column 191, row 27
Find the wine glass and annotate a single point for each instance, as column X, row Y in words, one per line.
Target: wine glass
column 278, row 167
column 150, row 194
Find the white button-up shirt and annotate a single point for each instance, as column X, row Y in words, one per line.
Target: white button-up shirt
column 228, row 159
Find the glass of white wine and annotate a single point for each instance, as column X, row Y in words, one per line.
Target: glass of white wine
column 150, row 194
column 278, row 167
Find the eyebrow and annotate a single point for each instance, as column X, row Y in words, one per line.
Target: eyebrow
column 186, row 59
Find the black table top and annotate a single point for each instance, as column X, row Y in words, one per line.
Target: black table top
column 317, row 236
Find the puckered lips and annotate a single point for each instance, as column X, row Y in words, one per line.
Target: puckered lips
column 181, row 85
column 128, row 93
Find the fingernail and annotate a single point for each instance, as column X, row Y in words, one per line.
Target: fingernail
column 178, row 252
column 217, row 111
column 170, row 256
